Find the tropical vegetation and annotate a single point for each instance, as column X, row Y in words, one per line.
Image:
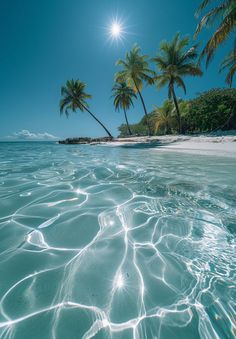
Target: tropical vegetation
column 123, row 99
column 209, row 111
column 164, row 117
column 212, row 110
column 74, row 97
column 173, row 63
column 136, row 72
column 222, row 17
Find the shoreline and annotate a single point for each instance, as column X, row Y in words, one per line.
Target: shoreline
column 223, row 144
column 159, row 138
column 201, row 144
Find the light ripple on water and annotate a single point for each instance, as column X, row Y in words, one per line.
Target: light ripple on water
column 116, row 243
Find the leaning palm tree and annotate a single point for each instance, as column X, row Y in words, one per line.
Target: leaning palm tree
column 123, row 99
column 135, row 73
column 230, row 63
column 175, row 62
column 223, row 15
column 74, row 97
column 164, row 117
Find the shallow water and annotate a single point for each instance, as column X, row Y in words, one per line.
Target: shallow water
column 112, row 242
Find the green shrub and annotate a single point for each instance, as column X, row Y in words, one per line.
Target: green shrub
column 209, row 111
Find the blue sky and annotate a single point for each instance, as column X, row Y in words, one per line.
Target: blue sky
column 45, row 42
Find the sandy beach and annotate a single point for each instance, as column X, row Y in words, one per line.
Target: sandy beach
column 215, row 144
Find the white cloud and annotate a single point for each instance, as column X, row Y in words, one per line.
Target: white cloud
column 24, row 134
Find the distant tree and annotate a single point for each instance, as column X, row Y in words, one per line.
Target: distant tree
column 123, row 99
column 173, row 63
column 74, row 97
column 164, row 117
column 222, row 15
column 135, row 73
column 140, row 128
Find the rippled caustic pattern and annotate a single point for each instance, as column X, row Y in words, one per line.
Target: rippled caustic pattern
column 115, row 242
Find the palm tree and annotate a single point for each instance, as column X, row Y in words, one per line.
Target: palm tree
column 136, row 72
column 164, row 116
column 224, row 16
column 74, row 97
column 123, row 99
column 230, row 63
column 175, row 62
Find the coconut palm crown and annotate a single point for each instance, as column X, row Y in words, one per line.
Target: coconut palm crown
column 74, row 97
column 223, row 16
column 174, row 61
column 123, row 99
column 135, row 72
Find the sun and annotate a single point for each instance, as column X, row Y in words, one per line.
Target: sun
column 116, row 29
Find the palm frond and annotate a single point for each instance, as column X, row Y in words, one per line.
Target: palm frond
column 135, row 69
column 73, row 97
column 123, row 96
column 174, row 61
column 224, row 16
column 229, row 63
column 203, row 5
column 180, row 83
column 209, row 18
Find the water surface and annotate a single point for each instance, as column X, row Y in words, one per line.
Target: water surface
column 115, row 242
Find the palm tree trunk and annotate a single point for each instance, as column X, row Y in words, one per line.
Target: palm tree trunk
column 144, row 107
column 127, row 123
column 177, row 109
column 100, row 123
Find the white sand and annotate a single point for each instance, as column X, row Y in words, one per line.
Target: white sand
column 202, row 144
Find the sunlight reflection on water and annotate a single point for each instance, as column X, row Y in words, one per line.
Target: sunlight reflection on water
column 116, row 243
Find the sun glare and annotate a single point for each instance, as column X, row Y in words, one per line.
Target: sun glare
column 119, row 282
column 115, row 29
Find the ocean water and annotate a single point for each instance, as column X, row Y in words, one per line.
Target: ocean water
column 116, row 242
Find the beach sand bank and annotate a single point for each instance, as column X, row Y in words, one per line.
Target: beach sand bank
column 204, row 144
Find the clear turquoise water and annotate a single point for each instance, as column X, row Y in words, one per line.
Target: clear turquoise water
column 114, row 242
